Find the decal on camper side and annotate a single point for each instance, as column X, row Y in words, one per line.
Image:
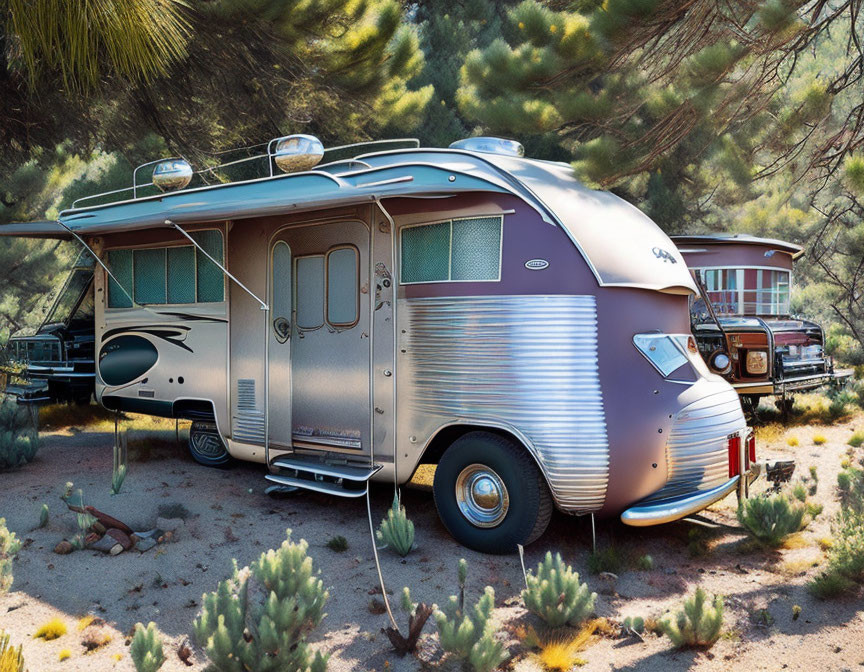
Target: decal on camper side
column 536, row 264
column 660, row 253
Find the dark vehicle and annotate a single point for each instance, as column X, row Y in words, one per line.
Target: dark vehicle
column 56, row 363
column 743, row 323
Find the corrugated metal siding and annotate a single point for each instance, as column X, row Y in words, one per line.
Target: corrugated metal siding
column 529, row 362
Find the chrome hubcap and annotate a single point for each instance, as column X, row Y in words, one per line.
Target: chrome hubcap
column 482, row 496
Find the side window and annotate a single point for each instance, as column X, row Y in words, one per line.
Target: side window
column 168, row 275
column 343, row 284
column 459, row 250
column 310, row 291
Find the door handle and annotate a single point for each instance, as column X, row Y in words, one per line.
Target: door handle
column 282, row 327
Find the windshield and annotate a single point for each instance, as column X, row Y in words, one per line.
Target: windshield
column 747, row 291
column 70, row 296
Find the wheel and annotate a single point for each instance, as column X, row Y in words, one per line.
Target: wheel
column 206, row 446
column 490, row 495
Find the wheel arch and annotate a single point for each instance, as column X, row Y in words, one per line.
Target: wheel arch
column 443, row 437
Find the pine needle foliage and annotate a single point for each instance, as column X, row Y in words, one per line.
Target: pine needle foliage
column 258, row 620
column 698, row 624
column 9, row 547
column 396, row 530
column 11, row 658
column 468, row 634
column 146, row 648
column 19, row 439
column 555, row 594
column 770, row 519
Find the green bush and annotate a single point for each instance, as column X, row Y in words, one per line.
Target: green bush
column 468, row 635
column 9, row 547
column 799, row 492
column 146, row 648
column 19, row 439
column 605, row 560
column 258, row 620
column 770, row 519
column 850, row 485
column 11, row 658
column 856, row 440
column 830, row 584
column 555, row 594
column 396, row 531
column 698, row 624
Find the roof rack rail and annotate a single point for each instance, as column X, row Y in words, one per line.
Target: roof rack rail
column 406, row 143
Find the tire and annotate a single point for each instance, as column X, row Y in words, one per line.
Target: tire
column 491, row 460
column 206, row 446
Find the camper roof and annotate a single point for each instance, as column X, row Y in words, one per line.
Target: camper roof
column 622, row 246
column 739, row 239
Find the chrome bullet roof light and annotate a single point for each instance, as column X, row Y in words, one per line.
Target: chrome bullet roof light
column 172, row 174
column 490, row 145
column 298, row 152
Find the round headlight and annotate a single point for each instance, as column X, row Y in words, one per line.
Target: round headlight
column 720, row 362
column 172, row 174
column 298, row 152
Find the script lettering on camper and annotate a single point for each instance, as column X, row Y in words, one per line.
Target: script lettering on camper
column 660, row 253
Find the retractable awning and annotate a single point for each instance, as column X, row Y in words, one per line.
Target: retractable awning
column 45, row 229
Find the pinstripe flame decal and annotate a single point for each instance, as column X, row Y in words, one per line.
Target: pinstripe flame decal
column 526, row 362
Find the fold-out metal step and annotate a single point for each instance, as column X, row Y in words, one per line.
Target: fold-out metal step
column 340, row 479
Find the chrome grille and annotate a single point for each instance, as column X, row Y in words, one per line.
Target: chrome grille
column 523, row 362
column 697, row 456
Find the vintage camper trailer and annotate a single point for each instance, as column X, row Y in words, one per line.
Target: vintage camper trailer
column 748, row 333
column 465, row 307
column 56, row 363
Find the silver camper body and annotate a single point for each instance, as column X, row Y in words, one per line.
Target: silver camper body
column 471, row 309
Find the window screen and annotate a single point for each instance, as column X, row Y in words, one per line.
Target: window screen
column 120, row 263
column 168, row 275
column 342, row 286
column 310, row 292
column 149, row 270
column 211, row 284
column 461, row 250
column 181, row 275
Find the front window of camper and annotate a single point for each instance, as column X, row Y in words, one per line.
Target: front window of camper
column 167, row 275
column 748, row 291
column 456, row 250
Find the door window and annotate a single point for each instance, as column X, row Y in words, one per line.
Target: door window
column 310, row 292
column 343, row 282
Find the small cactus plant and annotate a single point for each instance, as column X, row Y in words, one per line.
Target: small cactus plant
column 469, row 635
column 633, row 625
column 9, row 547
column 118, row 474
column 146, row 648
column 258, row 620
column 43, row 516
column 698, row 624
column 555, row 594
column 11, row 658
column 19, row 439
column 771, row 519
column 396, row 531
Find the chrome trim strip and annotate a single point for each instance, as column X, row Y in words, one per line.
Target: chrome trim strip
column 665, row 511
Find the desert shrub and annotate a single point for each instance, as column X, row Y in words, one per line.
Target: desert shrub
column 792, row 441
column 337, row 544
column 468, row 635
column 258, row 620
column 146, row 648
column 799, row 492
column 11, row 658
column 555, row 594
column 65, row 654
column 53, row 629
column 9, row 547
column 396, row 531
column 173, row 510
column 417, row 614
column 770, row 519
column 559, row 649
column 819, row 439
column 850, row 487
column 856, row 440
column 607, row 559
column 829, row 585
column 19, row 439
column 698, row 624
column 645, row 563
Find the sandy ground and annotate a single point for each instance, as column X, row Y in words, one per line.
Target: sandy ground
column 230, row 517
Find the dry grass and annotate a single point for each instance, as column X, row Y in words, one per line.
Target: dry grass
column 799, row 566
column 825, row 543
column 424, row 476
column 792, row 441
column 819, row 439
column 53, row 629
column 558, row 650
column 770, row 433
column 65, row 654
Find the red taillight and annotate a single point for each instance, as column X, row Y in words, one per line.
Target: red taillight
column 734, row 456
column 751, row 448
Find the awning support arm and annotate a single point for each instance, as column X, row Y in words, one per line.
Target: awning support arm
column 264, row 306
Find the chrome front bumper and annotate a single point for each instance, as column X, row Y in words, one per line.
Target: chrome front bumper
column 667, row 510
